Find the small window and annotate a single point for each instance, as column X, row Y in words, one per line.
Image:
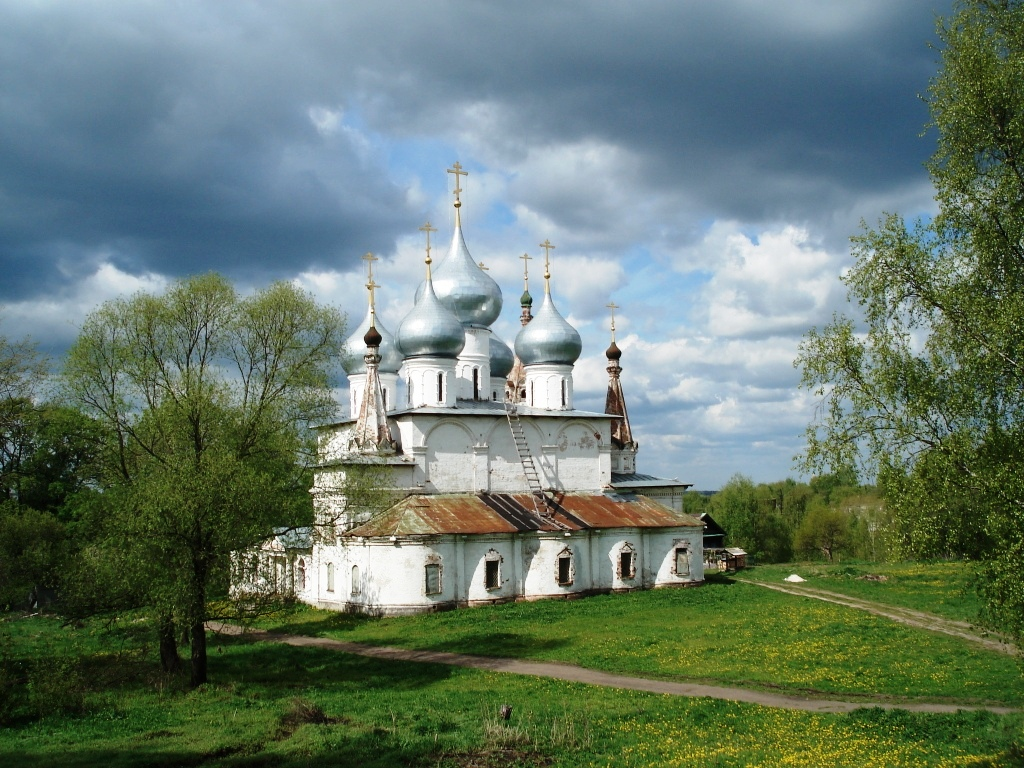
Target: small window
column 492, row 579
column 563, row 393
column 433, row 578
column 565, row 569
column 682, row 562
column 476, row 383
column 408, row 390
column 355, row 579
column 440, row 387
column 302, row 573
column 330, row 577
column 384, row 398
column 626, row 565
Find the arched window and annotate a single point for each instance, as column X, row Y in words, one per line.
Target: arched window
column 563, row 393
column 565, row 570
column 440, row 387
column 330, row 577
column 476, row 383
column 355, row 579
column 531, row 393
column 301, row 573
column 492, row 570
column 408, row 390
column 627, row 562
column 384, row 398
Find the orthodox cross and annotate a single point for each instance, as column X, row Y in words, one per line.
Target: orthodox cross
column 526, row 274
column 613, row 306
column 547, row 246
column 428, row 229
column 369, row 258
column 485, row 269
column 457, row 170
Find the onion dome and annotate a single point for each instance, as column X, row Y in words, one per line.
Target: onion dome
column 548, row 338
column 355, row 346
column 463, row 287
column 526, row 300
column 502, row 358
column 372, row 337
column 430, row 329
column 613, row 352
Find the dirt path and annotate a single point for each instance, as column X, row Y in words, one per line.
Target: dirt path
column 907, row 616
column 593, row 677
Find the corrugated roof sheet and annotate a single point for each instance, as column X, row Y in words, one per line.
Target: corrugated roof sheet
column 636, row 479
column 436, row 514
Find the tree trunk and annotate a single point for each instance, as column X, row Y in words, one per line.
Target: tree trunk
column 169, row 659
column 198, row 654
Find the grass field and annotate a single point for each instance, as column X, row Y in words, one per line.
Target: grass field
column 942, row 588
column 92, row 696
column 730, row 633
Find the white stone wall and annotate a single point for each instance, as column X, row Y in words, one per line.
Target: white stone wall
column 357, row 388
column 475, row 356
column 549, row 386
column 421, row 380
column 393, row 573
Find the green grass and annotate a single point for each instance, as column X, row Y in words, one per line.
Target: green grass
column 942, row 588
column 724, row 632
column 272, row 705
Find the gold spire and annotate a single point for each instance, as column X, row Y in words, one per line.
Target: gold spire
column 428, row 229
column 547, row 246
column 369, row 258
column 526, row 274
column 613, row 306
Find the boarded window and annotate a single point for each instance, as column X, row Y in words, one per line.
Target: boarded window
column 355, row 580
column 330, row 577
column 682, row 562
column 433, row 578
column 565, row 569
column 492, row 579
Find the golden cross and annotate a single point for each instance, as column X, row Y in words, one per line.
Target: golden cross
column 457, row 170
column 428, row 229
column 547, row 246
column 369, row 258
column 485, row 269
column 613, row 306
column 526, row 274
column 372, row 286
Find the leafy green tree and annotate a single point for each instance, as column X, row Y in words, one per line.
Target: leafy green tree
column 205, row 400
column 926, row 388
column 752, row 521
column 823, row 530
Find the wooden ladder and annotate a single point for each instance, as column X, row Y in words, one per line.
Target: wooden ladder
column 541, row 502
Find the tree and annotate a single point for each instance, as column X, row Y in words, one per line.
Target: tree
column 205, row 399
column 823, row 530
column 751, row 520
column 926, row 388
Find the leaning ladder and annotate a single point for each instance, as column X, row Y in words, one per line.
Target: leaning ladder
column 529, row 468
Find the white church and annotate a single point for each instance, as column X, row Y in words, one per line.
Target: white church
column 499, row 489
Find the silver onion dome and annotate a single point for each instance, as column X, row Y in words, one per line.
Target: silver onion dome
column 355, row 348
column 502, row 358
column 430, row 329
column 464, row 288
column 548, row 338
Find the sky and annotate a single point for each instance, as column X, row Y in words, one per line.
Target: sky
column 701, row 165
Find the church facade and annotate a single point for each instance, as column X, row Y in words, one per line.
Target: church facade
column 496, row 487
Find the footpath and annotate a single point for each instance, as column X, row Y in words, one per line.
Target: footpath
column 907, row 616
column 576, row 674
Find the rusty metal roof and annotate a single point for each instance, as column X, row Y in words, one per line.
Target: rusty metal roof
column 437, row 514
